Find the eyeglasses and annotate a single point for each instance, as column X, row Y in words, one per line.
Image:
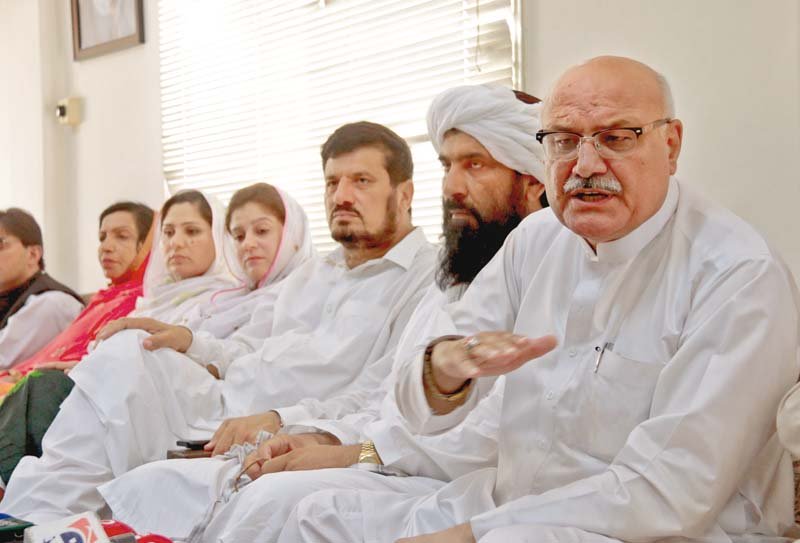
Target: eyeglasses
column 610, row 143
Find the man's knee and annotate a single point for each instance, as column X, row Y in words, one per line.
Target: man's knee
column 337, row 511
column 284, row 489
column 315, row 504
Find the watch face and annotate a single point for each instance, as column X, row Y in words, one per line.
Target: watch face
column 368, row 454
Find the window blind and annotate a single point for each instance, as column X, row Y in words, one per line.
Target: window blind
column 250, row 89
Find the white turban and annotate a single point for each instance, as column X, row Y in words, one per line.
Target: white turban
column 495, row 117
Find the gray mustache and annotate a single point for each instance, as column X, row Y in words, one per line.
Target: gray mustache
column 605, row 183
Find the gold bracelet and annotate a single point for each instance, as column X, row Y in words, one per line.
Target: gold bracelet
column 430, row 383
column 368, row 454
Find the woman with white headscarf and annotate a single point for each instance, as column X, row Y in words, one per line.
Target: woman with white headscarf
column 188, row 264
column 271, row 238
column 132, row 397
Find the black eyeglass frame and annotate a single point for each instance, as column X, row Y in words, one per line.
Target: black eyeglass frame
column 638, row 130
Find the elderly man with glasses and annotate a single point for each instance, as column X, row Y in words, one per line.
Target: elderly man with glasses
column 646, row 334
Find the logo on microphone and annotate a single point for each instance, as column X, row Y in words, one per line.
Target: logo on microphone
column 79, row 531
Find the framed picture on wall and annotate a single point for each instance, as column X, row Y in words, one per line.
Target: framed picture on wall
column 105, row 26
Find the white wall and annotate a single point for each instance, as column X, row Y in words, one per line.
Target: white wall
column 65, row 176
column 734, row 67
column 21, row 111
column 117, row 148
column 60, row 200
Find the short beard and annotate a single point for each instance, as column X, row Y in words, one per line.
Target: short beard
column 467, row 250
column 370, row 240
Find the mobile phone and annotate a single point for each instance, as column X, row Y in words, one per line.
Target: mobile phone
column 188, row 453
column 193, row 444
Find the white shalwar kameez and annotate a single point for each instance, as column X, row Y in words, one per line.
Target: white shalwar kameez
column 327, row 344
column 212, row 305
column 671, row 438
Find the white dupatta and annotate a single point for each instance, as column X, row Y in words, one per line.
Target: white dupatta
column 229, row 309
column 170, row 300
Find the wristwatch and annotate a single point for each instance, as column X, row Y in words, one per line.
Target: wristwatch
column 368, row 454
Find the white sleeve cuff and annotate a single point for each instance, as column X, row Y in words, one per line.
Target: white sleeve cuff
column 293, row 415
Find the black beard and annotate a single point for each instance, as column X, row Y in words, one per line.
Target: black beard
column 467, row 250
column 370, row 240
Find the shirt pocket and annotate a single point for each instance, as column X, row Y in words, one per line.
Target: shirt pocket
column 359, row 317
column 620, row 396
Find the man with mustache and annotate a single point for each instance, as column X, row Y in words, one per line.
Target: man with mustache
column 646, row 336
column 485, row 139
